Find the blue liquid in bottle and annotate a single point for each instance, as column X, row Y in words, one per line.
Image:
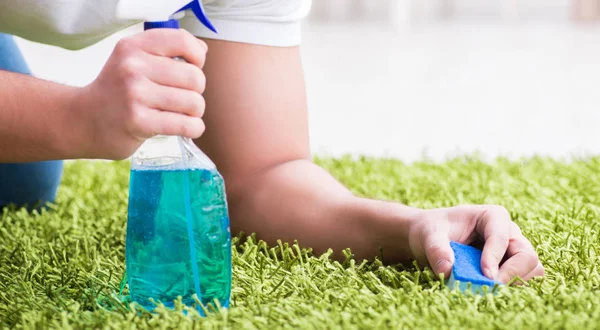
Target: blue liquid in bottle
column 178, row 236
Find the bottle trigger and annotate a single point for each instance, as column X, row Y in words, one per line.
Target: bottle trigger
column 198, row 9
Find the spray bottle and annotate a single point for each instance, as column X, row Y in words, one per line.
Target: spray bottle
column 178, row 236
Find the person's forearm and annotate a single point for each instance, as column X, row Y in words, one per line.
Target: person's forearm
column 34, row 119
column 300, row 201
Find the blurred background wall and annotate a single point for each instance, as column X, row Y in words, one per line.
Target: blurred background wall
column 431, row 78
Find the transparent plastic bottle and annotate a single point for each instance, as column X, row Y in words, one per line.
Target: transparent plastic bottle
column 178, row 236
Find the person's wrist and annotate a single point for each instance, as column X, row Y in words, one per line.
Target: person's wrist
column 74, row 125
column 391, row 230
column 409, row 220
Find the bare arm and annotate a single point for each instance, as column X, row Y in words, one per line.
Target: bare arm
column 34, row 119
column 257, row 134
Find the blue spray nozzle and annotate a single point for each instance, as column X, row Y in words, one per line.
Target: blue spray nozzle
column 198, row 10
column 159, row 13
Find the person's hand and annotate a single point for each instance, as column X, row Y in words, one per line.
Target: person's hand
column 142, row 92
column 506, row 252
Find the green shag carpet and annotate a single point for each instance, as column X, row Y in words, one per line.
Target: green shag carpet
column 62, row 268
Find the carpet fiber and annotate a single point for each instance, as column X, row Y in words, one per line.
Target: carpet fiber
column 62, row 268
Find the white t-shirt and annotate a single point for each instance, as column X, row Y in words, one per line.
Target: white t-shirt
column 75, row 24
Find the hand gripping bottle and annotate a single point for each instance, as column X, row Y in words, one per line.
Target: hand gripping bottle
column 178, row 238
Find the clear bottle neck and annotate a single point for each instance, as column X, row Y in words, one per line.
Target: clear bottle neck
column 172, row 152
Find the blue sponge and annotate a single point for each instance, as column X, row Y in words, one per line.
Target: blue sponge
column 467, row 270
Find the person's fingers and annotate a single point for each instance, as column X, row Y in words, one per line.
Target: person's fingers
column 169, row 43
column 437, row 249
column 522, row 261
column 493, row 225
column 151, row 122
column 538, row 271
column 173, row 100
column 170, row 72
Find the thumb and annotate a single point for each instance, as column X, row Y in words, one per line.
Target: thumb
column 439, row 253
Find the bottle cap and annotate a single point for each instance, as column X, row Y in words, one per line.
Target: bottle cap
column 170, row 24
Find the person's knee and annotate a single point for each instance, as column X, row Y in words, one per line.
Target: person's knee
column 25, row 183
column 29, row 184
column 11, row 58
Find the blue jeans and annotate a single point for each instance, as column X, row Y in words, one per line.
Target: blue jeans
column 25, row 184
